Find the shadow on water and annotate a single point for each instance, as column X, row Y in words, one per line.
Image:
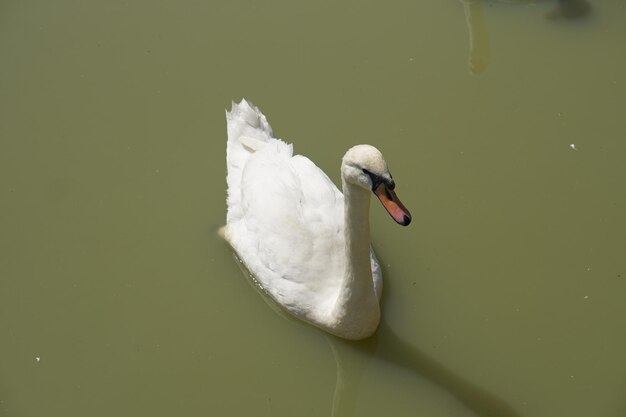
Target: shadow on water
column 479, row 51
column 352, row 358
column 570, row 9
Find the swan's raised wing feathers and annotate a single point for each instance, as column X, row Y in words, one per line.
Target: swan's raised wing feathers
column 284, row 214
column 290, row 216
column 248, row 132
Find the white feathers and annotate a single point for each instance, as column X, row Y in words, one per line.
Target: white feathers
column 286, row 221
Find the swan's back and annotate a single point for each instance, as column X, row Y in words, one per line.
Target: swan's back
column 285, row 216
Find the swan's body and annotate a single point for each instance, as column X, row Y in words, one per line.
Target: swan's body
column 304, row 242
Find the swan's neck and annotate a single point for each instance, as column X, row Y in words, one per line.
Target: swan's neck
column 356, row 309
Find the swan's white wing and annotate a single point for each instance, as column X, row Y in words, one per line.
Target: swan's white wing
column 291, row 229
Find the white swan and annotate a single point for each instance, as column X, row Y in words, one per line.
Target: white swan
column 306, row 244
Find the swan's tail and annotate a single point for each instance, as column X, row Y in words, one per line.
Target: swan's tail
column 248, row 132
column 246, row 126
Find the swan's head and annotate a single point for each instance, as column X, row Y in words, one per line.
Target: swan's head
column 364, row 166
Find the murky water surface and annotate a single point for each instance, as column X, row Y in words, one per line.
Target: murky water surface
column 502, row 122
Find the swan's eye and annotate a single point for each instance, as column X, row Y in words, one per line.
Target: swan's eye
column 369, row 174
column 376, row 179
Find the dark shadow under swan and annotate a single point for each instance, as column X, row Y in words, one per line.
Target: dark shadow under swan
column 352, row 357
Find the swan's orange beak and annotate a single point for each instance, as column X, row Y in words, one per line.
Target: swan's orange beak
column 392, row 203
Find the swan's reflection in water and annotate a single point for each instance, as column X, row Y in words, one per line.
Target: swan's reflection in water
column 479, row 53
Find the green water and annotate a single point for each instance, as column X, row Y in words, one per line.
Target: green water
column 505, row 297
